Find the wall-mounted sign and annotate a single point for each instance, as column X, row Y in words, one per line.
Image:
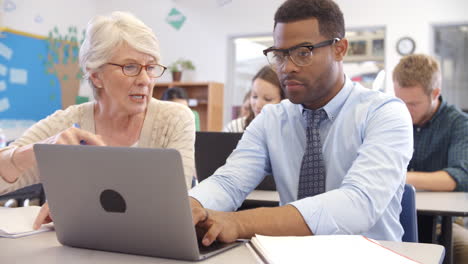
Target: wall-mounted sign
column 175, row 18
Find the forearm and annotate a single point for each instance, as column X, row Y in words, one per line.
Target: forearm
column 15, row 161
column 272, row 221
column 431, row 181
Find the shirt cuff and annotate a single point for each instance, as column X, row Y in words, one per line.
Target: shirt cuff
column 458, row 176
column 316, row 216
column 212, row 196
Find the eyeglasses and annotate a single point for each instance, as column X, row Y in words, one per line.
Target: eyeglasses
column 134, row 69
column 301, row 55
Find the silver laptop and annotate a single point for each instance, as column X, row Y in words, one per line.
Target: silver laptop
column 128, row 200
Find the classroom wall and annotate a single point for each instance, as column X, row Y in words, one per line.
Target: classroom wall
column 26, row 92
column 39, row 17
column 204, row 37
column 401, row 18
column 210, row 23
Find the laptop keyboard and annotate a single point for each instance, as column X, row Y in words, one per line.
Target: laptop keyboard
column 213, row 247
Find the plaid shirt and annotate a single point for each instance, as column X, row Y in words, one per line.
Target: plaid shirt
column 442, row 144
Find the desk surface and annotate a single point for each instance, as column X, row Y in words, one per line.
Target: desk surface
column 44, row 248
column 442, row 203
column 266, row 196
column 437, row 203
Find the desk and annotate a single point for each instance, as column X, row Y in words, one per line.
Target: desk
column 44, row 248
column 260, row 198
column 445, row 204
column 267, row 197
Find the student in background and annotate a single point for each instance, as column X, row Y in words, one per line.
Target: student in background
column 266, row 89
column 238, row 125
column 440, row 131
column 120, row 57
column 246, row 109
column 338, row 151
column 179, row 95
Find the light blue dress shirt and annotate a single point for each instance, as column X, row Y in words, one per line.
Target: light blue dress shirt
column 367, row 145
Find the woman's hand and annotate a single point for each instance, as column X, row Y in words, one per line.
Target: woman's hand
column 75, row 136
column 22, row 158
column 43, row 217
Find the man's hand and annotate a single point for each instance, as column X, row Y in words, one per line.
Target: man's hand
column 214, row 225
column 228, row 226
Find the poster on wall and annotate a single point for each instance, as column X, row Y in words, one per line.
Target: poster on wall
column 38, row 75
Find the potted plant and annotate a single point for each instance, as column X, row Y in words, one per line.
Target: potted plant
column 178, row 66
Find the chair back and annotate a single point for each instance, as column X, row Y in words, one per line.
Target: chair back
column 408, row 216
column 212, row 150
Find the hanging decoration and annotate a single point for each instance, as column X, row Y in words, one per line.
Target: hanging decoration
column 175, row 18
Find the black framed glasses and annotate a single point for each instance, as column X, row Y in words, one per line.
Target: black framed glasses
column 134, row 69
column 301, row 54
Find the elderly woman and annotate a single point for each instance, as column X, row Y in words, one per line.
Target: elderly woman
column 120, row 58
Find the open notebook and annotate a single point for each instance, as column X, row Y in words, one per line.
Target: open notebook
column 324, row 249
column 18, row 222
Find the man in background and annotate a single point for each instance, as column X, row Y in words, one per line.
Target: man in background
column 440, row 158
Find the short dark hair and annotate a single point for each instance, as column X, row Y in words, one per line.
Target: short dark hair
column 174, row 93
column 329, row 16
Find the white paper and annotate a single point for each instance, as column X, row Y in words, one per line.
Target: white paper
column 18, row 222
column 5, row 51
column 3, row 70
column 326, row 249
column 4, row 104
column 2, row 86
column 192, row 102
column 19, row 76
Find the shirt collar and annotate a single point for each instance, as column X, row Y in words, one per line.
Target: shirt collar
column 333, row 107
column 442, row 106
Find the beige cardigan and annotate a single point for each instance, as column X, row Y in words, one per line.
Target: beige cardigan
column 166, row 125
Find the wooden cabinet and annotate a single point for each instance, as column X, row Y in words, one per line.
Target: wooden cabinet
column 206, row 98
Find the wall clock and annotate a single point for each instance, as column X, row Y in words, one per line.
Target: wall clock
column 405, row 46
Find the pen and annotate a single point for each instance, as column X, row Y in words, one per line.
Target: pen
column 82, row 142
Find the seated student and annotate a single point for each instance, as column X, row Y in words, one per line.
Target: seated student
column 238, row 124
column 266, row 89
column 440, row 131
column 246, row 109
column 338, row 151
column 120, row 58
column 179, row 95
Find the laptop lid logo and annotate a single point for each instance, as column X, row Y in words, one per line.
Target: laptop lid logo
column 112, row 201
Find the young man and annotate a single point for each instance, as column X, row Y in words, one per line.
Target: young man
column 440, row 158
column 338, row 151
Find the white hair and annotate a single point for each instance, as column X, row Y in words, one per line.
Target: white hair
column 104, row 34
